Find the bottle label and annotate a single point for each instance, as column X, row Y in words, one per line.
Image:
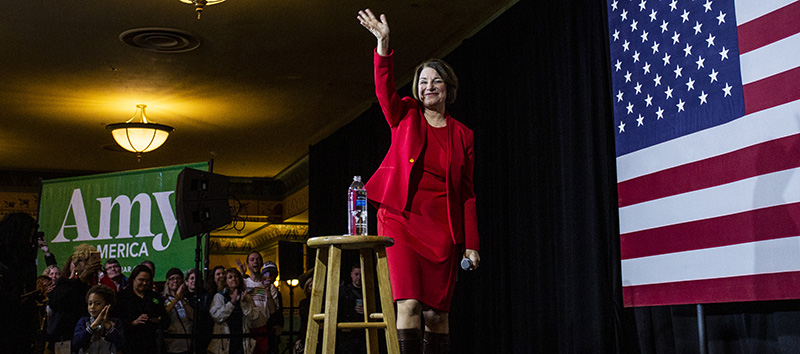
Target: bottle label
column 357, row 209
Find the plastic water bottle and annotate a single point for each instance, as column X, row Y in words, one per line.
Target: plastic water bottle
column 357, row 208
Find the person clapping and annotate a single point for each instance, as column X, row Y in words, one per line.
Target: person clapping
column 142, row 312
column 234, row 313
column 98, row 333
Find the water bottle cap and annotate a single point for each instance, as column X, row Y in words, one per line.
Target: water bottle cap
column 357, row 178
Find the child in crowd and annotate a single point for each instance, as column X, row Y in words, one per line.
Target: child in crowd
column 98, row 333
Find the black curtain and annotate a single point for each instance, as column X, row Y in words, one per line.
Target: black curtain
column 535, row 89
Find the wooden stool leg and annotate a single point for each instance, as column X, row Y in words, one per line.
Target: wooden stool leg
column 332, row 300
column 386, row 301
column 315, row 307
column 368, row 295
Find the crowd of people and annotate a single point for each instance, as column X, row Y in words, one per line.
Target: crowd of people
column 90, row 306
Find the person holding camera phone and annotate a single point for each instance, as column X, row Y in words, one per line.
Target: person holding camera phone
column 49, row 258
column 142, row 312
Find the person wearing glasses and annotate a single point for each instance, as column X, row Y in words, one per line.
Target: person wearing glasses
column 180, row 312
column 113, row 278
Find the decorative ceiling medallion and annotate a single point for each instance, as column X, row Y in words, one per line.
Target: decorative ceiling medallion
column 160, row 40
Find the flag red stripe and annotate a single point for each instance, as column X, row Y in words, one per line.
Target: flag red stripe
column 764, row 224
column 754, row 225
column 775, row 286
column 771, row 91
column 748, row 162
column 769, row 28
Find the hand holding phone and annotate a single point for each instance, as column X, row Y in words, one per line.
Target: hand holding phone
column 94, row 257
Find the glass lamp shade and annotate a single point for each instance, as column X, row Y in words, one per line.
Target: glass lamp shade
column 138, row 135
column 207, row 2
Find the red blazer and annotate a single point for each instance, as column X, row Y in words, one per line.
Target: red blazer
column 390, row 183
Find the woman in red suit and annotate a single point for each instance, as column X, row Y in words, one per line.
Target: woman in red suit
column 424, row 194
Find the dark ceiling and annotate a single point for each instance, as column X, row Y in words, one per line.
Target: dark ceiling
column 268, row 78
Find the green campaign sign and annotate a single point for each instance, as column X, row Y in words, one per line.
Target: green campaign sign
column 128, row 215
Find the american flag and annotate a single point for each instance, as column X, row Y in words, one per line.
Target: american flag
column 707, row 129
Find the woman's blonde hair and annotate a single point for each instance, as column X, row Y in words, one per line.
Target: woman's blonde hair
column 82, row 252
column 47, row 270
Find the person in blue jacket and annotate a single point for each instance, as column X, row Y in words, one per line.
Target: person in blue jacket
column 98, row 333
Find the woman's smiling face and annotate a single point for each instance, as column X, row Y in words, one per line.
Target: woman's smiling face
column 432, row 90
column 174, row 282
column 232, row 281
column 190, row 281
column 53, row 274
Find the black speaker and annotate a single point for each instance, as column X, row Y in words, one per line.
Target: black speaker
column 201, row 202
column 290, row 257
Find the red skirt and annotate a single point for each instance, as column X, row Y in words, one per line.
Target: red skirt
column 422, row 261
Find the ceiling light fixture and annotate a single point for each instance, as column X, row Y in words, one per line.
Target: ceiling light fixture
column 199, row 4
column 138, row 134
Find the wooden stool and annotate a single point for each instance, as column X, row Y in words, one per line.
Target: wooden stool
column 329, row 257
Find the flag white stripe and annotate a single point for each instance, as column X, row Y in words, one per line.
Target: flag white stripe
column 763, row 63
column 748, row 10
column 761, row 257
column 757, row 192
column 769, row 124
